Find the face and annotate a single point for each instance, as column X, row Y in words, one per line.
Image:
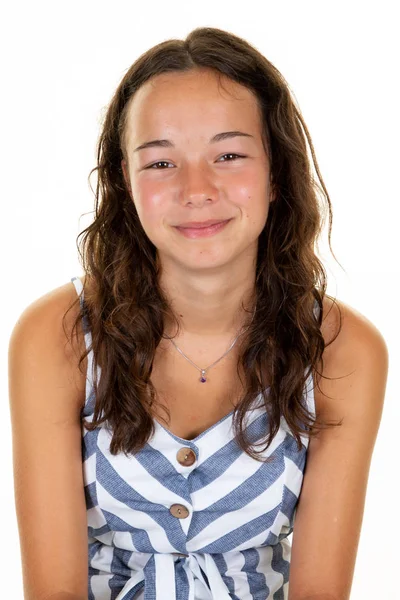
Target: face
column 192, row 175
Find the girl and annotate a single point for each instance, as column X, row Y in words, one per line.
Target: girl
column 195, row 397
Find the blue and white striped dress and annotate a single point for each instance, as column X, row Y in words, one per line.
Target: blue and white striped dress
column 215, row 529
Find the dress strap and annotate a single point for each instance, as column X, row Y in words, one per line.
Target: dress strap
column 310, row 384
column 88, row 340
column 316, row 309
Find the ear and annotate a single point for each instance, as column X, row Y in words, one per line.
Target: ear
column 272, row 195
column 125, row 172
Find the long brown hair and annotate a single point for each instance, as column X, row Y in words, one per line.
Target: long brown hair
column 124, row 305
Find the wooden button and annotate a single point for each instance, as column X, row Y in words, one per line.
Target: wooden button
column 179, row 511
column 186, row 457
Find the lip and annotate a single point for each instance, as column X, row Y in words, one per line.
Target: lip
column 200, row 224
column 197, row 232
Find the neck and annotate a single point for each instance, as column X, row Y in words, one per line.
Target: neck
column 208, row 307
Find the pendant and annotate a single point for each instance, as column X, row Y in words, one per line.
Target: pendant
column 202, row 378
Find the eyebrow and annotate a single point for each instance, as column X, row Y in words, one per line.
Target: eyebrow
column 219, row 137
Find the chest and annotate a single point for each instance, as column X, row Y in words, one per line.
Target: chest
column 186, row 406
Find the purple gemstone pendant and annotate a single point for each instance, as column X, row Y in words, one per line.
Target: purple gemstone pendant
column 202, row 378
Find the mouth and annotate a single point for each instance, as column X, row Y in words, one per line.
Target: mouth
column 194, row 232
column 200, row 224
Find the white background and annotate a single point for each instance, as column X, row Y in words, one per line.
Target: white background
column 60, row 64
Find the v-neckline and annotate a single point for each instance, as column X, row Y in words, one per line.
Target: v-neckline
column 206, row 431
column 177, row 437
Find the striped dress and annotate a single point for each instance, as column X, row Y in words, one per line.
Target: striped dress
column 190, row 519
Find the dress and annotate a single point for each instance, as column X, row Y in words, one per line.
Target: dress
column 190, row 519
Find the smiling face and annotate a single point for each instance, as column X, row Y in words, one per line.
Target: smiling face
column 193, row 173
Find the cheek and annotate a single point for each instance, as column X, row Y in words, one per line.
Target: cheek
column 150, row 202
column 253, row 199
column 252, row 196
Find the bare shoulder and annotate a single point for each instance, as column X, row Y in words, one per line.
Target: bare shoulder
column 46, row 393
column 351, row 392
column 354, row 348
column 353, row 323
column 44, row 329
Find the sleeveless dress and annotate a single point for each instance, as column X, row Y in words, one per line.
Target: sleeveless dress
column 190, row 519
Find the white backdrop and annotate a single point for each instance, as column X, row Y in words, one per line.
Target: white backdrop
column 61, row 62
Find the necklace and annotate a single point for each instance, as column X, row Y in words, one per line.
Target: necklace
column 203, row 371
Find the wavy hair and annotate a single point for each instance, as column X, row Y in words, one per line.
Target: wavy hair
column 124, row 304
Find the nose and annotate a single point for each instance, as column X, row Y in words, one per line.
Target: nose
column 197, row 185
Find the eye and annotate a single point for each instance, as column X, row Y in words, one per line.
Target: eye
column 165, row 162
column 159, row 162
column 232, row 154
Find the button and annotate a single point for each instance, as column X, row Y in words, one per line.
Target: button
column 186, row 457
column 179, row 511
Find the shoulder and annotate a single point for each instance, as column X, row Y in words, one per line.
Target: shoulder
column 46, row 395
column 353, row 324
column 42, row 335
column 45, row 313
column 355, row 354
column 349, row 400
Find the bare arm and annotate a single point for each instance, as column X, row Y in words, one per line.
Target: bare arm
column 331, row 504
column 46, row 391
column 64, row 596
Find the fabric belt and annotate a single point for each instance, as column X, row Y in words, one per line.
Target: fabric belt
column 165, row 575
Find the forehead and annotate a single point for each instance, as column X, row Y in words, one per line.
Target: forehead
column 193, row 98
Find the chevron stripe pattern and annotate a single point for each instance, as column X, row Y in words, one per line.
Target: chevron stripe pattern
column 217, row 529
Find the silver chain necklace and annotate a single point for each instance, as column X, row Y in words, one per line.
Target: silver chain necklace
column 203, row 371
